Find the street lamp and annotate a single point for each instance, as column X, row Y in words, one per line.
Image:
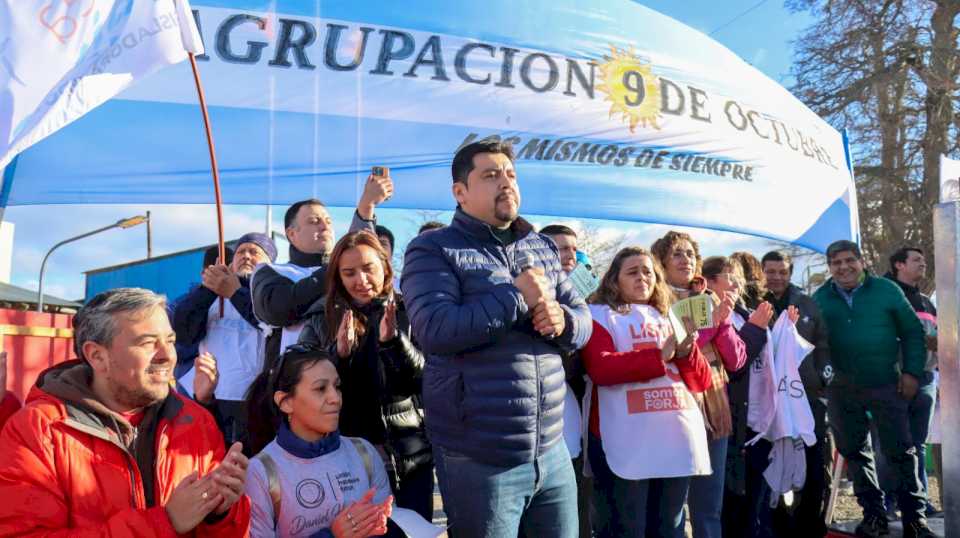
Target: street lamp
column 122, row 223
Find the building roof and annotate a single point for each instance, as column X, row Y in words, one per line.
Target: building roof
column 15, row 294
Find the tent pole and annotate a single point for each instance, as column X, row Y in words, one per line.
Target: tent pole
column 213, row 162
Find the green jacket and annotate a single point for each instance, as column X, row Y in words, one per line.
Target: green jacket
column 865, row 341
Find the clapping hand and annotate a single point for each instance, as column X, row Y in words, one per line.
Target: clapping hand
column 363, row 518
column 346, row 335
column 388, row 323
column 205, row 377
column 762, row 315
column 793, row 313
column 230, row 477
column 721, row 314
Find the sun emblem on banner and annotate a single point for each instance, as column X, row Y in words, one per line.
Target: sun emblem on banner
column 632, row 88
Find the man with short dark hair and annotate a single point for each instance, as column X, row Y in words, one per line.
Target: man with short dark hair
column 430, row 225
column 566, row 240
column 104, row 447
column 282, row 293
column 878, row 354
column 815, row 374
column 908, row 268
column 492, row 310
column 234, row 340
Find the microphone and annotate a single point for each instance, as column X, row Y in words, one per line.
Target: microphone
column 524, row 261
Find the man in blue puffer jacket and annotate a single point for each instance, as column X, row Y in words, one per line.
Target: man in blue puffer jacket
column 492, row 309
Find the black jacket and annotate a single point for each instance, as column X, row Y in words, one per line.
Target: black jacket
column 281, row 302
column 815, row 371
column 919, row 301
column 381, row 384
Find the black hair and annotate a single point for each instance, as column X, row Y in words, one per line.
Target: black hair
column 212, row 253
column 842, row 246
column 430, row 225
column 290, row 217
column 778, row 256
column 383, row 231
column 263, row 414
column 558, row 229
column 463, row 160
column 900, row 256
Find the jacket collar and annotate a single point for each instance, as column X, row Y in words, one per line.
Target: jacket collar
column 305, row 449
column 907, row 288
column 298, row 257
column 483, row 231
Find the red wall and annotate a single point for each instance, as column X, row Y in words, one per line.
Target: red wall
column 27, row 356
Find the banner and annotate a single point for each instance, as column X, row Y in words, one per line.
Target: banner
column 949, row 180
column 615, row 112
column 61, row 58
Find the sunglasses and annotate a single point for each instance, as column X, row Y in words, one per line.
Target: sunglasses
column 293, row 350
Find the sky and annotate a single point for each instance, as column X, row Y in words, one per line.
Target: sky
column 760, row 32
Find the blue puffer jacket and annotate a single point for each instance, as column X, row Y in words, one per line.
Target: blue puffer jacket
column 492, row 387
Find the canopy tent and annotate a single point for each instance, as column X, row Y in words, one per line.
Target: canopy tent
column 615, row 111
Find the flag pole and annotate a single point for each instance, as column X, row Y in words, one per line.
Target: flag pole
column 213, row 163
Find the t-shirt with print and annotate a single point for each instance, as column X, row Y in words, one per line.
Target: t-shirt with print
column 313, row 491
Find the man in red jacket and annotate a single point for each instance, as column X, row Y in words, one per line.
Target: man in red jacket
column 103, row 447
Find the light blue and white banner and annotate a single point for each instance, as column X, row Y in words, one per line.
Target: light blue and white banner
column 615, row 112
column 61, row 58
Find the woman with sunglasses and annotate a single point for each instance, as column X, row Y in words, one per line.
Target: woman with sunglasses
column 309, row 480
column 362, row 323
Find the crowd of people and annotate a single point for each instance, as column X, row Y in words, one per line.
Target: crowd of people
column 342, row 389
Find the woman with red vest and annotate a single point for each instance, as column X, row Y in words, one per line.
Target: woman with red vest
column 645, row 429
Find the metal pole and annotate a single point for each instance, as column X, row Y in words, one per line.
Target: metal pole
column 122, row 223
column 149, row 237
column 43, row 265
column 946, row 234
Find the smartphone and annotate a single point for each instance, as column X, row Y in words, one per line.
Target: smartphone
column 380, row 171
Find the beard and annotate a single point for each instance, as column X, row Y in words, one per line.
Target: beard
column 507, row 213
column 140, row 396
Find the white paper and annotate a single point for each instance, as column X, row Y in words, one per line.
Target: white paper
column 413, row 524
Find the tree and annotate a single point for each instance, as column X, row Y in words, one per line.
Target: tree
column 886, row 71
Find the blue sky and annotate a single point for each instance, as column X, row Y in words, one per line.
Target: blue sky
column 759, row 32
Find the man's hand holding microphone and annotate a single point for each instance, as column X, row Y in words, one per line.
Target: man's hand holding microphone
column 537, row 292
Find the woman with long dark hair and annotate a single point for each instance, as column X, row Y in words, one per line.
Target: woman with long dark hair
column 646, row 436
column 309, row 479
column 363, row 325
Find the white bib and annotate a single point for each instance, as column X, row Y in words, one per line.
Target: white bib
column 652, row 429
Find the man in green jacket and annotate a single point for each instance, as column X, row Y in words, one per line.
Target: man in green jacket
column 878, row 353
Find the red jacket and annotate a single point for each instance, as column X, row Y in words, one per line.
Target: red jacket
column 64, row 473
column 606, row 366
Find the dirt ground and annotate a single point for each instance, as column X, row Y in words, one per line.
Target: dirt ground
column 848, row 510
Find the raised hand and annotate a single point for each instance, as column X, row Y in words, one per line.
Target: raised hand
column 205, row 377
column 793, row 313
column 762, row 315
column 230, row 477
column 346, row 335
column 220, row 280
column 721, row 314
column 388, row 323
column 375, row 192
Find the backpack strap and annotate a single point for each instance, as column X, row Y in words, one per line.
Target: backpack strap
column 365, row 456
column 273, row 483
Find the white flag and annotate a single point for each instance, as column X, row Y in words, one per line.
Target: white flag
column 59, row 59
column 949, row 180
